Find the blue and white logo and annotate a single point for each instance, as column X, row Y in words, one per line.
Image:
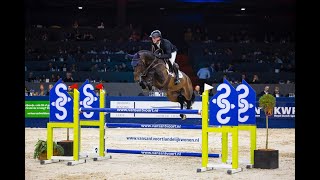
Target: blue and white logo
column 224, row 106
column 61, row 103
column 247, row 102
column 88, row 99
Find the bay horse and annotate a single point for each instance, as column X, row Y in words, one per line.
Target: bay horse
column 150, row 71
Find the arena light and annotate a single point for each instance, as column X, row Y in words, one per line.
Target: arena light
column 80, row 7
column 243, row 9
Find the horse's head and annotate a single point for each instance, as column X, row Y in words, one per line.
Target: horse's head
column 140, row 63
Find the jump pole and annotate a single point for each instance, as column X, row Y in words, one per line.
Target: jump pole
column 165, row 111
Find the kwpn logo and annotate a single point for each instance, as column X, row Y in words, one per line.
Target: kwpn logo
column 61, row 103
column 88, row 99
column 247, row 103
column 224, row 106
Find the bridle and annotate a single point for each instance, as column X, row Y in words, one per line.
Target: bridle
column 151, row 66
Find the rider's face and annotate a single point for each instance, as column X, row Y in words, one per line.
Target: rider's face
column 155, row 39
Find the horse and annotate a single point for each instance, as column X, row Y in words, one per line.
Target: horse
column 151, row 71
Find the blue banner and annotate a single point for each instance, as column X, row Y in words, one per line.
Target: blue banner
column 247, row 103
column 61, row 103
column 223, row 106
column 88, row 99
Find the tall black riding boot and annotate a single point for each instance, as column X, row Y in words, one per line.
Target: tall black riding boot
column 170, row 66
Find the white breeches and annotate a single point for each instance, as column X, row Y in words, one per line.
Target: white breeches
column 173, row 57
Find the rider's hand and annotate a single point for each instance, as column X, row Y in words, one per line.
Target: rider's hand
column 157, row 55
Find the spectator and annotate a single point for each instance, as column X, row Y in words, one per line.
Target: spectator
column 53, row 78
column 212, row 69
column 211, row 92
column 276, row 92
column 95, row 68
column 49, row 88
column 265, row 91
column 26, row 91
column 197, row 90
column 123, row 67
column 255, row 79
column 244, row 77
column 42, row 91
column 203, row 75
column 105, row 68
column 68, row 77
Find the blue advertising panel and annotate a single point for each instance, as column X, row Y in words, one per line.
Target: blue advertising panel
column 247, row 103
column 88, row 99
column 283, row 117
column 61, row 103
column 284, row 109
column 223, row 106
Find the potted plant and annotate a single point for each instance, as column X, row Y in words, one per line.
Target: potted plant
column 266, row 158
column 40, row 151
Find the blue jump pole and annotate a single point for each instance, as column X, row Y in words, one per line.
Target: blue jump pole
column 132, row 110
column 156, row 126
column 159, row 153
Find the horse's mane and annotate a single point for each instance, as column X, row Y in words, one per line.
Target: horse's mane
column 142, row 55
column 146, row 55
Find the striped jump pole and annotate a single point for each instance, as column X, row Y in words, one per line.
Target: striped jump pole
column 155, row 126
column 161, row 153
column 132, row 110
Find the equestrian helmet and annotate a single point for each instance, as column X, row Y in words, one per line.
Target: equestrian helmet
column 155, row 33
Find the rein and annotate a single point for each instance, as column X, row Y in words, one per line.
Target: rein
column 150, row 67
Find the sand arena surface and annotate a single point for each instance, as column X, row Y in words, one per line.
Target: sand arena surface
column 139, row 167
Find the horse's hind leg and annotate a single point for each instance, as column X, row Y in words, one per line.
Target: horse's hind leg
column 190, row 102
column 181, row 100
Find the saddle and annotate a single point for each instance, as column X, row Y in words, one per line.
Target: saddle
column 174, row 70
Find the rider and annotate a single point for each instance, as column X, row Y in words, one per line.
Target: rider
column 167, row 51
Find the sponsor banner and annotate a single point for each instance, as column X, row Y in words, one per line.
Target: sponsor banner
column 37, row 109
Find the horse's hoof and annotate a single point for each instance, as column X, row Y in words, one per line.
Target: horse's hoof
column 183, row 116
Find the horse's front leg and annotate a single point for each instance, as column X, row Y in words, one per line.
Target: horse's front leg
column 149, row 79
